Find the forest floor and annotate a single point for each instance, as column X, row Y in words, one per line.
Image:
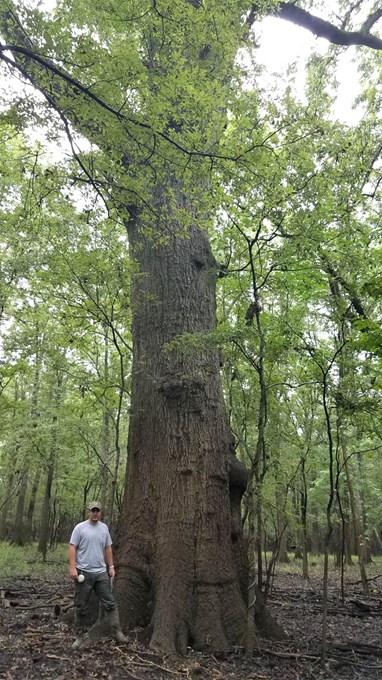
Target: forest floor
column 35, row 643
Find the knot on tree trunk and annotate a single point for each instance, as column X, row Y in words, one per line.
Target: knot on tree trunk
column 183, row 387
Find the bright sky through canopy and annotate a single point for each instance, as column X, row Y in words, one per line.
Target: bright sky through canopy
column 281, row 43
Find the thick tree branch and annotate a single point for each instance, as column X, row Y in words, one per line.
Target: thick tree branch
column 66, row 91
column 74, row 99
column 327, row 30
column 371, row 20
column 68, row 95
column 52, row 93
column 55, row 84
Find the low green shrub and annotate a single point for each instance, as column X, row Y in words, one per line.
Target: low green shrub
column 16, row 561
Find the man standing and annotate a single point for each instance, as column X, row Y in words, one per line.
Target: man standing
column 91, row 568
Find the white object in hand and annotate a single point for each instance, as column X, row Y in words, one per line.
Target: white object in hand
column 81, row 578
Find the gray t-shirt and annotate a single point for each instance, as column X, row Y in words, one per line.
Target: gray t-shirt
column 91, row 539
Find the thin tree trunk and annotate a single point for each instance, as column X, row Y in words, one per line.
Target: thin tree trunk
column 19, row 536
column 348, row 530
column 12, row 488
column 304, row 527
column 32, row 505
column 46, row 511
column 329, row 531
column 117, row 427
column 14, row 475
column 363, row 507
column 282, row 532
column 21, row 532
column 250, row 640
column 258, row 464
column 355, row 513
column 281, row 497
column 316, row 538
column 46, row 507
column 106, row 448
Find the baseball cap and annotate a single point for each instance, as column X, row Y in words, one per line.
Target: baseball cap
column 93, row 505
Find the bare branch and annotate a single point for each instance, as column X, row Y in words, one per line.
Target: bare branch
column 356, row 5
column 327, row 30
column 371, row 20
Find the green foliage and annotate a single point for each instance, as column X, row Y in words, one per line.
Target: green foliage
column 16, row 561
column 177, row 135
column 65, row 310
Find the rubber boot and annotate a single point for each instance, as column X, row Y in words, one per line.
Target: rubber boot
column 115, row 626
column 81, row 631
column 81, row 641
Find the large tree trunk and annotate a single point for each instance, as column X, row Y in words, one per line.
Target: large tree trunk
column 176, row 559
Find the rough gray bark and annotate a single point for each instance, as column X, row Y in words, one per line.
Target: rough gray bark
column 176, row 566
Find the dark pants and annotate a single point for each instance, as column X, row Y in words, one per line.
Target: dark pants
column 100, row 584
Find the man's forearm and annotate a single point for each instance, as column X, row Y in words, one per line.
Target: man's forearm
column 109, row 557
column 72, row 554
